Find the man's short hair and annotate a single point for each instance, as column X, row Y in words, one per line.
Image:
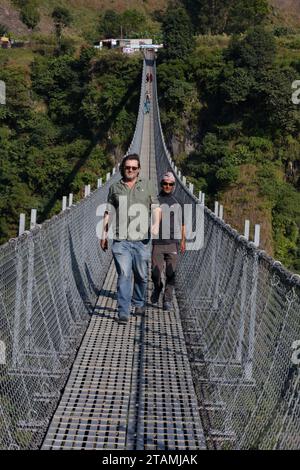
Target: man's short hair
column 131, row 156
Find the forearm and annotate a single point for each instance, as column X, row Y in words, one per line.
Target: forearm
column 157, row 216
column 105, row 225
column 183, row 234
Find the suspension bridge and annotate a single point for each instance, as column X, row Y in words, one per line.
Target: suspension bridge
column 217, row 372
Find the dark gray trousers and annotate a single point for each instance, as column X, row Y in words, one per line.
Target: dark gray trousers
column 164, row 255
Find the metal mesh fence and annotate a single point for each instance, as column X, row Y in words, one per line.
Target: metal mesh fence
column 49, row 281
column 240, row 310
column 135, row 146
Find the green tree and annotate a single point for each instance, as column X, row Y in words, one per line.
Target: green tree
column 232, row 16
column 18, row 104
column 3, row 29
column 208, row 16
column 132, row 22
column 285, row 204
column 61, row 18
column 58, row 81
column 109, row 26
column 257, row 50
column 30, row 15
column 177, row 34
column 275, row 110
column 244, row 14
column 237, row 85
column 213, row 164
column 255, row 88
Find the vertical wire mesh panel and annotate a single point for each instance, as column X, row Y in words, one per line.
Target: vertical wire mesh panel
column 240, row 312
column 135, row 146
column 49, row 281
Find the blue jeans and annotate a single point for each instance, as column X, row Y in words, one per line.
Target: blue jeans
column 146, row 107
column 131, row 258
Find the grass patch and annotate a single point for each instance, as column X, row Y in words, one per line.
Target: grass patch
column 288, row 49
column 20, row 57
column 208, row 42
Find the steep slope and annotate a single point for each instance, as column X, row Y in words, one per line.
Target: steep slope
column 84, row 12
column 9, row 17
column 289, row 10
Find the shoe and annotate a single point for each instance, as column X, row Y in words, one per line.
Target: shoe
column 167, row 306
column 155, row 296
column 123, row 319
column 140, row 310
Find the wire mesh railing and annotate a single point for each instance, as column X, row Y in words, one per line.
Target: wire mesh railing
column 49, row 282
column 241, row 316
column 135, row 146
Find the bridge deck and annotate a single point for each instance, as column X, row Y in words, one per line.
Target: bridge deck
column 130, row 386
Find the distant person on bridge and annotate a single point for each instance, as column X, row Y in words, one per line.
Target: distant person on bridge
column 131, row 246
column 147, row 103
column 166, row 245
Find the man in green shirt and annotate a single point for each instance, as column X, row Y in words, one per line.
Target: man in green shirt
column 131, row 247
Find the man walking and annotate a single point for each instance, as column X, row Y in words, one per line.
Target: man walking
column 130, row 196
column 172, row 234
column 147, row 103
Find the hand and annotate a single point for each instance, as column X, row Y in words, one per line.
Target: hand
column 104, row 244
column 182, row 247
column 155, row 229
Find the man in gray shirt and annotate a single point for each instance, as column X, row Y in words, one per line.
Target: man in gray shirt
column 131, row 246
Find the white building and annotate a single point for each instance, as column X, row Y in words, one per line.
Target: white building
column 128, row 46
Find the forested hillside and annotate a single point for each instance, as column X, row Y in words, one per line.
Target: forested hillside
column 224, row 77
column 228, row 115
column 32, row 17
column 66, row 122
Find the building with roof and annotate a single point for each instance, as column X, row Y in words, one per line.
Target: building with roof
column 5, row 42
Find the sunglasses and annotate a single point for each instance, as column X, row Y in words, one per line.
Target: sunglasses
column 167, row 184
column 133, row 168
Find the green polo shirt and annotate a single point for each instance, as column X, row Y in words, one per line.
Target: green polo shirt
column 132, row 209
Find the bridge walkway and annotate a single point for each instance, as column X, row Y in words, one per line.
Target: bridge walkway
column 130, row 386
